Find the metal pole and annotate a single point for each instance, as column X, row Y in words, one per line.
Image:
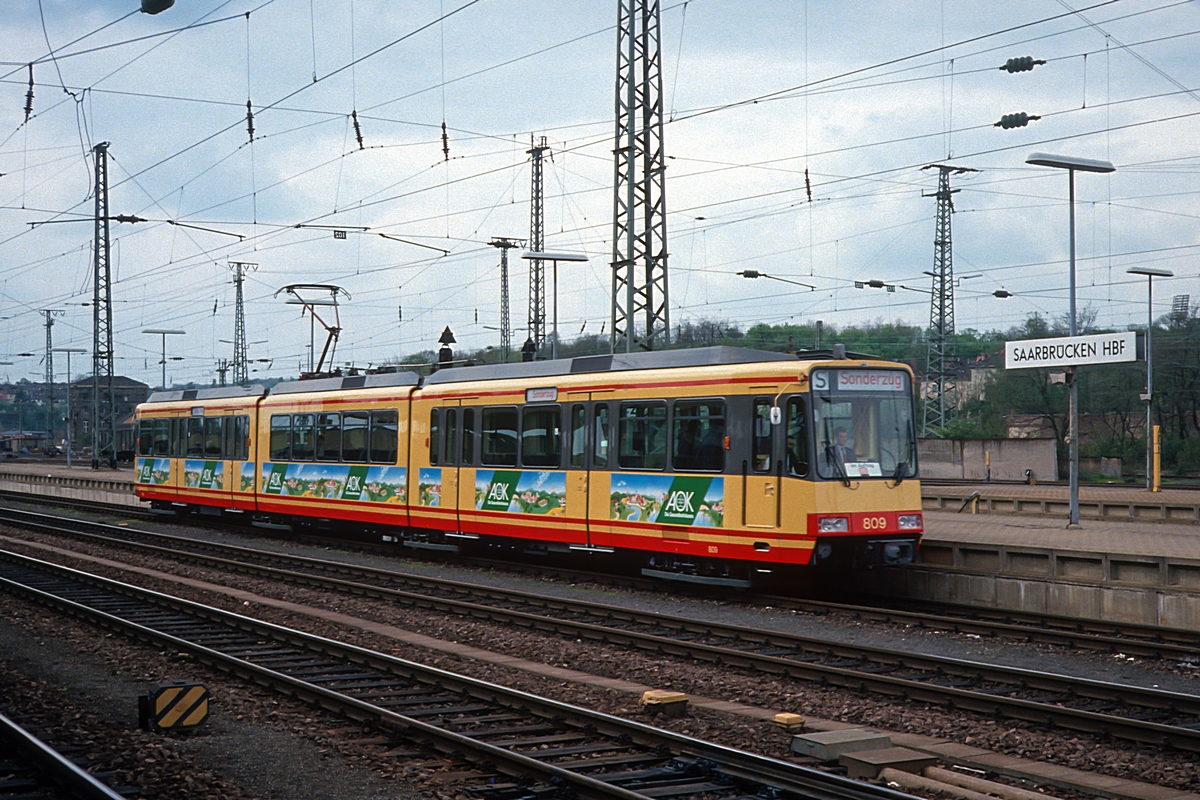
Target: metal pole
column 554, row 278
column 164, row 362
column 1149, row 380
column 1073, row 430
column 70, row 419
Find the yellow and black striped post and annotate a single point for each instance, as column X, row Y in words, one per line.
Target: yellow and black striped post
column 174, row 705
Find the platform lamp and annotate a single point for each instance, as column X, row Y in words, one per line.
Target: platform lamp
column 1072, row 164
column 70, row 416
column 554, row 258
column 164, row 332
column 1151, row 273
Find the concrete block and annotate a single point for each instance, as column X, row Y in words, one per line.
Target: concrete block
column 661, row 701
column 980, row 559
column 974, row 589
column 1140, row 571
column 831, row 745
column 1129, row 605
column 1179, row 611
column 1021, row 595
column 1028, row 563
column 789, row 722
column 1073, row 600
column 1080, row 568
column 867, row 764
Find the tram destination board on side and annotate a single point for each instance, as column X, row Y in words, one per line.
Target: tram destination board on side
column 1073, row 351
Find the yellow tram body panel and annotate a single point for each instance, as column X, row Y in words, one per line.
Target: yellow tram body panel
column 715, row 455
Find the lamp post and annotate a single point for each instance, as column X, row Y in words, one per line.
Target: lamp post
column 1072, row 165
column 753, row 273
column 70, row 417
column 554, row 258
column 1151, row 273
column 164, row 332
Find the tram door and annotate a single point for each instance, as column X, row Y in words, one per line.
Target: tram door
column 761, row 483
column 578, row 472
column 451, row 502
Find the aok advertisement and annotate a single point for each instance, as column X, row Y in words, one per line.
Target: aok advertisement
column 668, row 500
column 519, row 492
column 336, row 482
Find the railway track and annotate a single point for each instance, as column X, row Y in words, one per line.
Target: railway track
column 32, row 770
column 1128, row 712
column 1103, row 636
column 525, row 746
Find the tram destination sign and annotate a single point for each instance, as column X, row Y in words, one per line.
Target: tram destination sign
column 1073, row 351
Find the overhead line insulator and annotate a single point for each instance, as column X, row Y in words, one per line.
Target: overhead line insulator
column 445, row 142
column 357, row 128
column 1015, row 120
column 250, row 120
column 1021, row 64
column 29, row 96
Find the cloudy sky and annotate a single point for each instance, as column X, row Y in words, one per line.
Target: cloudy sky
column 862, row 95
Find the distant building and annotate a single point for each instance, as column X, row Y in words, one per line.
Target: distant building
column 127, row 394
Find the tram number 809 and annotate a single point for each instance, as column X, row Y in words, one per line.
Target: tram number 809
column 874, row 523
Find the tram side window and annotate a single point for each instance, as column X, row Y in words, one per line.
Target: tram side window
column 281, row 437
column 541, row 437
column 578, row 435
column 238, row 429
column 214, row 434
column 384, row 438
column 797, row 437
column 498, row 437
column 762, row 435
column 433, row 436
column 162, row 437
column 642, row 436
column 329, row 437
column 451, row 423
column 178, row 435
column 145, row 435
column 699, row 436
column 354, row 436
column 600, row 436
column 195, row 437
column 468, row 437
column 302, row 437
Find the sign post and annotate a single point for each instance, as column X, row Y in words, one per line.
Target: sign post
column 1073, row 352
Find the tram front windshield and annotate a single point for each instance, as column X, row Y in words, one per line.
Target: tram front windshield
column 863, row 421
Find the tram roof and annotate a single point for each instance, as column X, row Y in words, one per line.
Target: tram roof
column 217, row 393
column 347, row 383
column 615, row 362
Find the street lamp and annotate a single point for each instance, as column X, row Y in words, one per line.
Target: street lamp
column 164, row 332
column 1151, row 273
column 554, row 258
column 1072, row 165
column 753, row 273
column 70, row 417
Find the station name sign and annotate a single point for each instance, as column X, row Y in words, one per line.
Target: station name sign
column 1073, row 351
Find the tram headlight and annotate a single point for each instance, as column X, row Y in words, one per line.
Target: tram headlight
column 833, row 525
column 909, row 522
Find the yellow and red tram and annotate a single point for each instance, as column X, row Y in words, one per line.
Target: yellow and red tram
column 713, row 464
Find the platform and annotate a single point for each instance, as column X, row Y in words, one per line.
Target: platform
column 1127, row 571
column 1121, row 501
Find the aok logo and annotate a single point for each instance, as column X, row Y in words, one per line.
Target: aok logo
column 354, row 484
column 498, row 493
column 206, row 476
column 275, row 481
column 145, row 476
column 680, row 502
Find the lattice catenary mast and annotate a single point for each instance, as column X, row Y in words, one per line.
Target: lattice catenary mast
column 941, row 397
column 537, row 242
column 505, row 244
column 241, row 370
column 50, row 313
column 639, row 261
column 104, row 423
